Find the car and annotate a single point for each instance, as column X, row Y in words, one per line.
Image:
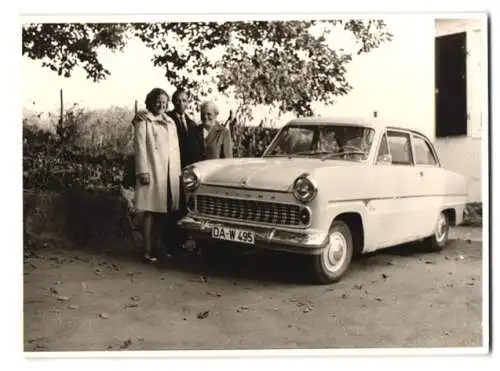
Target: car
column 329, row 189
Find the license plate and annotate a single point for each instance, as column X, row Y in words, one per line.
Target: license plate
column 233, row 235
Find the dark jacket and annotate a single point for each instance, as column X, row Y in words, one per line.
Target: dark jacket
column 218, row 143
column 191, row 142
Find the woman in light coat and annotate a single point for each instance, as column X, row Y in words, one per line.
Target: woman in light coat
column 218, row 143
column 157, row 168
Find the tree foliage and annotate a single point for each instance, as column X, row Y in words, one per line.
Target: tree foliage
column 286, row 64
column 64, row 46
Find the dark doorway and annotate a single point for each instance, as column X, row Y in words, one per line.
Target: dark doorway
column 451, row 85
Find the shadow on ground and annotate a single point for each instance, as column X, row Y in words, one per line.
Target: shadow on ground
column 252, row 265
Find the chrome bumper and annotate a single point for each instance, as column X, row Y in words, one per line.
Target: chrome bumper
column 309, row 241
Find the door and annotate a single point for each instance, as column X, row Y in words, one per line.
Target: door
column 430, row 194
column 395, row 186
column 451, row 85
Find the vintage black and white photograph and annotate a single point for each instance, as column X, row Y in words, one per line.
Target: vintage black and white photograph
column 255, row 183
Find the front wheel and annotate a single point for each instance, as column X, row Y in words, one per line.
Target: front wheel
column 439, row 239
column 333, row 262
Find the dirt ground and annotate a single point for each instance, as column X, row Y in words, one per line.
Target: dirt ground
column 104, row 298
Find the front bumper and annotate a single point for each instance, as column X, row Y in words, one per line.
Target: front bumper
column 310, row 241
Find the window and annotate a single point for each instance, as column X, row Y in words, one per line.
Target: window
column 400, row 148
column 423, row 152
column 383, row 150
column 451, row 85
column 333, row 140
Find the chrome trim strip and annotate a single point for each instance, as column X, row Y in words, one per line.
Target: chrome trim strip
column 297, row 203
column 245, row 188
column 367, row 200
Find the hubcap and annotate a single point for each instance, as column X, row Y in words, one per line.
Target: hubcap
column 441, row 228
column 336, row 252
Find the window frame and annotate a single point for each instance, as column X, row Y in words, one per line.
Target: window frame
column 429, row 145
column 404, row 132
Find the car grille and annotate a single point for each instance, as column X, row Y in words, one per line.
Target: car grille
column 249, row 210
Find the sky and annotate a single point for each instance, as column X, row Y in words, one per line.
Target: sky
column 377, row 77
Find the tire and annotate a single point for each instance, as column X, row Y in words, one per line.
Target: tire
column 331, row 265
column 439, row 239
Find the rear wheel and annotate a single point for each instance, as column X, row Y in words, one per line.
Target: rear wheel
column 333, row 262
column 439, row 239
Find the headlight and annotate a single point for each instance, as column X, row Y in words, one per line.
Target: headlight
column 304, row 188
column 191, row 178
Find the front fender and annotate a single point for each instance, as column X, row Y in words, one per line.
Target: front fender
column 337, row 208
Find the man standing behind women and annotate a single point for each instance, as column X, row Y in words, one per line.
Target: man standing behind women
column 157, row 169
column 190, row 133
column 191, row 146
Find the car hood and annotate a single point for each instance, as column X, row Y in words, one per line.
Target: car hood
column 262, row 173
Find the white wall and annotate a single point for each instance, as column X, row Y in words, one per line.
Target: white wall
column 464, row 154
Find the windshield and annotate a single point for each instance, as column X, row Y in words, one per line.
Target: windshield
column 330, row 141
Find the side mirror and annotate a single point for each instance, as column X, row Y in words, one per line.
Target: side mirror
column 384, row 159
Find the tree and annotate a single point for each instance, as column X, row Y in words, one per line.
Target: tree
column 64, row 46
column 285, row 64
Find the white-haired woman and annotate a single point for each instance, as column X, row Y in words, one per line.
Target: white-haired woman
column 218, row 143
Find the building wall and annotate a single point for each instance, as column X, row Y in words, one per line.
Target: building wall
column 396, row 79
column 464, row 154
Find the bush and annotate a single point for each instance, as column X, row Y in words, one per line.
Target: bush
column 89, row 151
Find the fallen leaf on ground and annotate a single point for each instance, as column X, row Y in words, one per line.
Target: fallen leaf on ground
column 73, row 307
column 214, row 294
column 203, row 315
column 104, row 315
column 126, row 344
column 63, row 298
column 131, row 305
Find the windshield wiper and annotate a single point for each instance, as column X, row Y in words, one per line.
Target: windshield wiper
column 344, row 153
column 310, row 153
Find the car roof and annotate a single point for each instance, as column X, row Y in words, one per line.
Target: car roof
column 353, row 121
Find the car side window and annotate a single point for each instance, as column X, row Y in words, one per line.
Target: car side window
column 383, row 151
column 423, row 153
column 400, row 148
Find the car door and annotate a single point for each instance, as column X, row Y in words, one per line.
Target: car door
column 395, row 184
column 432, row 185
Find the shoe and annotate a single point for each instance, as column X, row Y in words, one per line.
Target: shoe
column 150, row 259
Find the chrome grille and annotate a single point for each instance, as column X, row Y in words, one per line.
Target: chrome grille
column 249, row 210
